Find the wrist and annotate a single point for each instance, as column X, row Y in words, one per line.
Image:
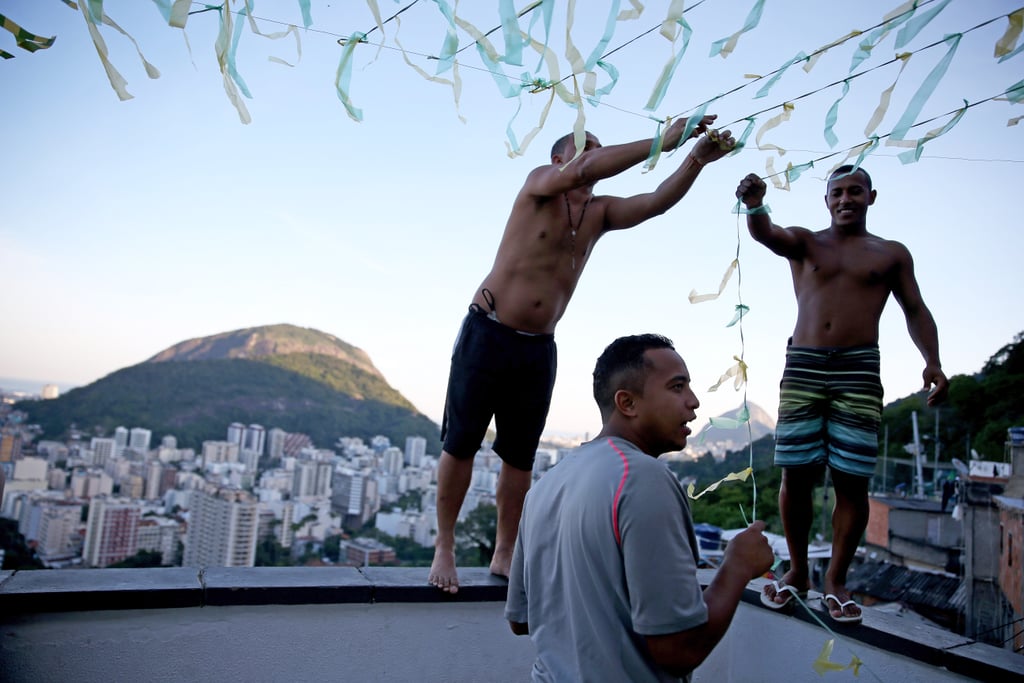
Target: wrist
column 695, row 161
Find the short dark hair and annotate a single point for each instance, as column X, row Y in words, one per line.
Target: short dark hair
column 562, row 142
column 622, row 366
column 850, row 169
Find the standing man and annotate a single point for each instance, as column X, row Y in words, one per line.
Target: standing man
column 830, row 403
column 503, row 364
column 604, row 577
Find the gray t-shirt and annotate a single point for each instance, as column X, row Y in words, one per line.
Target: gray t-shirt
column 606, row 555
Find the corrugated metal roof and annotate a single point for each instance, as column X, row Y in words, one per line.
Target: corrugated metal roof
column 893, row 583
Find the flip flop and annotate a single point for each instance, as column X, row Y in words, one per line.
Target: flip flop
column 781, row 588
column 843, row 618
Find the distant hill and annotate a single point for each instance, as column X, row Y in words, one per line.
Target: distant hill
column 719, row 441
column 296, row 379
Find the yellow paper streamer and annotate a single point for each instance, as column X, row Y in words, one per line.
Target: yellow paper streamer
column 775, row 121
column 823, row 664
column 1008, row 42
column 739, row 371
column 742, row 475
column 221, row 47
column 455, row 83
column 696, row 298
column 883, row 101
column 813, row 59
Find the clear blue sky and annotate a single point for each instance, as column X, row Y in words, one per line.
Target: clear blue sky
column 130, row 226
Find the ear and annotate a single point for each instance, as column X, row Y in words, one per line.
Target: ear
column 874, row 193
column 625, row 402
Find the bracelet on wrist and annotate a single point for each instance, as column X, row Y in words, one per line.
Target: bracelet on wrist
column 697, row 161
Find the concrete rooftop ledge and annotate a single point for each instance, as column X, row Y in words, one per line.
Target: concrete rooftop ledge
column 30, row 601
column 80, row 590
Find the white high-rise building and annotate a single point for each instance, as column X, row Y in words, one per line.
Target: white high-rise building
column 236, row 430
column 111, row 532
column 138, row 440
column 312, row 479
column 275, row 442
column 104, row 449
column 50, row 391
column 219, row 451
column 415, row 450
column 121, row 438
column 392, row 461
column 254, row 439
column 59, row 524
column 222, row 530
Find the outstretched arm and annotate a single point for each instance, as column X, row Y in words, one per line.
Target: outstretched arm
column 598, row 163
column 630, row 211
column 747, row 557
column 783, row 242
column 921, row 325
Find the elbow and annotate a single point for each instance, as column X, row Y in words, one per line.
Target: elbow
column 519, row 628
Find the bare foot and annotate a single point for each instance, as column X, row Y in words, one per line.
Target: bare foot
column 790, row 578
column 840, row 604
column 501, row 563
column 443, row 574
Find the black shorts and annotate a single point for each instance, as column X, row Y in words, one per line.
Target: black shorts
column 497, row 371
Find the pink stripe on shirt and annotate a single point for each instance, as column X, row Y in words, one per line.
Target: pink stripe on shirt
column 618, row 492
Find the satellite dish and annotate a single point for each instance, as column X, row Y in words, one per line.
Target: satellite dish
column 960, row 467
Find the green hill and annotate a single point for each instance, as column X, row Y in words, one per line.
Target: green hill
column 296, row 379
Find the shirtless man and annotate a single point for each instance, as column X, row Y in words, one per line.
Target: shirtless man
column 830, row 403
column 503, row 364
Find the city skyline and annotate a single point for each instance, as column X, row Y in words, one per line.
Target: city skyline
column 133, row 226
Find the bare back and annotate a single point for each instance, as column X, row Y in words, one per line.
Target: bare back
column 540, row 259
column 842, row 283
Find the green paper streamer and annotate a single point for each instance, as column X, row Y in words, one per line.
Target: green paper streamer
column 1020, row 48
column 232, row 51
column 725, row 45
column 344, row 76
column 1015, row 93
column 307, row 13
column 793, row 173
column 24, row 39
column 741, row 209
column 669, row 70
column 741, row 141
column 913, row 155
column 914, row 26
column 741, row 310
column 602, row 44
column 833, row 114
column 875, row 37
column 927, row 88
column 513, row 36
column 451, row 39
column 613, row 74
column 800, row 57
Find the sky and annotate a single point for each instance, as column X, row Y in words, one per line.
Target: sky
column 130, row 226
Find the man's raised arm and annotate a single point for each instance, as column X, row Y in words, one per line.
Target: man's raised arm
column 783, row 242
column 596, row 163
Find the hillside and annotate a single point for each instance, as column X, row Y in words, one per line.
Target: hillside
column 296, row 379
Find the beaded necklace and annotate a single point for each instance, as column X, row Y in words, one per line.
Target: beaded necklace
column 573, row 228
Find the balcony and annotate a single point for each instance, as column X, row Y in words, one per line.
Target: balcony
column 376, row 624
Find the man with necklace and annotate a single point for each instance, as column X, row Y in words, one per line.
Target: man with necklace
column 504, row 360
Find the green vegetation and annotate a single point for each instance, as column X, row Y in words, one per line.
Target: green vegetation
column 196, row 401
column 17, row 555
column 977, row 414
column 141, row 559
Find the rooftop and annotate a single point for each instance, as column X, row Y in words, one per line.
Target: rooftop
column 368, row 624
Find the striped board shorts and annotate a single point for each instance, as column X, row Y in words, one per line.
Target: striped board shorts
column 830, row 409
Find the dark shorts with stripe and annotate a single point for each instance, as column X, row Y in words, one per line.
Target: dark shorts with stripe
column 501, row 373
column 830, row 409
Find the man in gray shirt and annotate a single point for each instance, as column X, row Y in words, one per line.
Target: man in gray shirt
column 604, row 574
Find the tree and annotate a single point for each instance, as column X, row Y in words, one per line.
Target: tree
column 141, row 559
column 474, row 536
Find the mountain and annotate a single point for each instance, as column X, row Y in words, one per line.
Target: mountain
column 719, row 440
column 297, row 379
